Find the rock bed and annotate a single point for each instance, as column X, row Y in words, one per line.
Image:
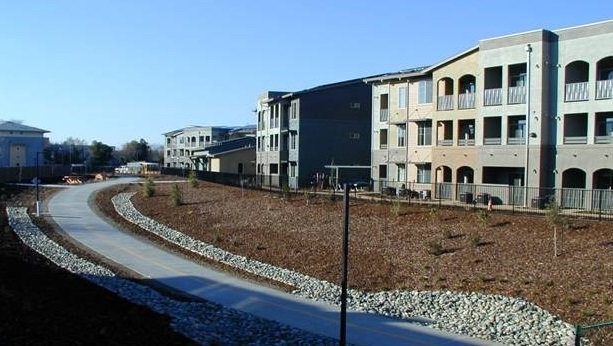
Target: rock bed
column 204, row 322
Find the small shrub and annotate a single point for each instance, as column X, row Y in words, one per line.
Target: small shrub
column 483, row 217
column 435, row 248
column 433, row 212
column 192, row 179
column 176, row 196
column 287, row 192
column 308, row 196
column 396, row 207
column 148, row 187
column 475, row 239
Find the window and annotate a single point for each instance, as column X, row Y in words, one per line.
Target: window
column 425, row 91
column 201, row 139
column 383, row 139
column 167, row 140
column 207, row 139
column 292, row 169
column 402, row 134
column 355, row 105
column 383, row 102
column 293, row 141
column 181, row 140
column 274, row 168
column 240, row 168
column 354, row 135
column 424, row 173
column 424, row 133
column 382, row 171
column 401, row 172
column 294, row 110
column 402, row 97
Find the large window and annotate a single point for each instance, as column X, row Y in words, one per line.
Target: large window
column 424, row 132
column 423, row 173
column 293, row 141
column 402, row 134
column 383, row 139
column 402, row 97
column 401, row 172
column 425, row 91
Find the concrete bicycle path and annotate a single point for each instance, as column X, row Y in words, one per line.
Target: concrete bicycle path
column 70, row 211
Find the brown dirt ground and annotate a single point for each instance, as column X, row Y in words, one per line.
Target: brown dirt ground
column 395, row 247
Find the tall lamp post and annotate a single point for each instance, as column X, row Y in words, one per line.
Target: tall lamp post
column 36, row 183
column 527, row 131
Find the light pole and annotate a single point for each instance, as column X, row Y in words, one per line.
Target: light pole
column 527, row 130
column 36, row 183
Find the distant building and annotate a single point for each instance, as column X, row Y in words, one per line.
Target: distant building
column 236, row 156
column 299, row 133
column 21, row 145
column 179, row 145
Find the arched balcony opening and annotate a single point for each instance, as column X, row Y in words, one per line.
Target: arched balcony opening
column 445, row 94
column 573, row 188
column 466, row 94
column 576, row 76
column 604, row 78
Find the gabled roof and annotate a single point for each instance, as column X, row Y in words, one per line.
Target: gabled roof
column 13, row 126
column 223, row 147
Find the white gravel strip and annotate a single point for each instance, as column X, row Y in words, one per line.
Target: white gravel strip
column 506, row 320
column 206, row 323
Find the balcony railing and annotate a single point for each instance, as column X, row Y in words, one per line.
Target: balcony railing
column 492, row 97
column 445, row 142
column 604, row 89
column 466, row 101
column 515, row 140
column 576, row 92
column 575, row 140
column 516, row 95
column 382, row 146
column 384, row 114
column 603, row 139
column 465, row 142
column 491, row 141
column 445, row 103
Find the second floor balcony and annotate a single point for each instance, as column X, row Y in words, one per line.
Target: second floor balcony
column 492, row 97
column 445, row 103
column 466, row 101
column 517, row 95
column 604, row 89
column 576, row 92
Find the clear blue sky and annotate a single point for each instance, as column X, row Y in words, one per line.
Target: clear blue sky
column 122, row 70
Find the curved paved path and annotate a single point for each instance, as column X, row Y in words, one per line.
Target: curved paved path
column 69, row 209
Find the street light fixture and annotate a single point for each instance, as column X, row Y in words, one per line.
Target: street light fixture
column 36, row 183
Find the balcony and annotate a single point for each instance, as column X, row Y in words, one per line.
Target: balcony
column 575, row 140
column 445, row 142
column 466, row 101
column 517, row 95
column 492, row 97
column 576, row 92
column 515, row 140
column 445, row 103
column 491, row 141
column 466, row 142
column 384, row 114
column 603, row 139
column 604, row 89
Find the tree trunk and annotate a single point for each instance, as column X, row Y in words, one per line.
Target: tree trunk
column 555, row 242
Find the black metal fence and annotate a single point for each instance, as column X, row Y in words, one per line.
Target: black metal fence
column 27, row 174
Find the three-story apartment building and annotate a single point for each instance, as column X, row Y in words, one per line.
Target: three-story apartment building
column 180, row 144
column 532, row 110
column 299, row 133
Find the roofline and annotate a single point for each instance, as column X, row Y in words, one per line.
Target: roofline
column 452, row 58
column 402, row 74
column 315, row 89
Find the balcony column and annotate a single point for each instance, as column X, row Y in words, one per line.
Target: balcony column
column 527, row 131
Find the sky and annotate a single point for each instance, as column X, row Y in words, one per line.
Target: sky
column 121, row 70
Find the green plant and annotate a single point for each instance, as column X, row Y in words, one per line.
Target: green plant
column 192, row 179
column 176, row 195
column 433, row 212
column 148, row 187
column 483, row 217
